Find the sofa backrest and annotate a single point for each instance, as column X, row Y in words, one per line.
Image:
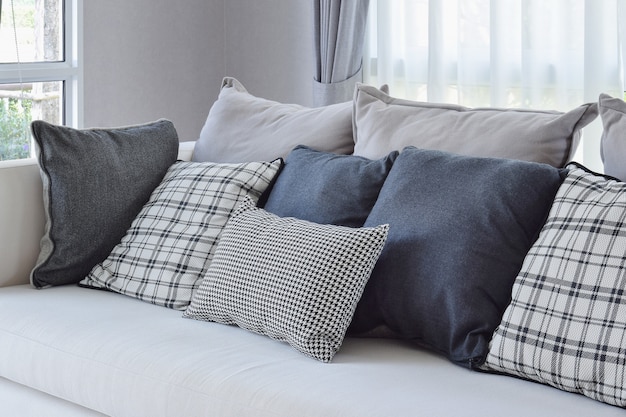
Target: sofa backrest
column 22, row 218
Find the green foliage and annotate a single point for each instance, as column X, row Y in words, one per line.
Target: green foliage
column 24, row 13
column 15, row 117
column 25, row 18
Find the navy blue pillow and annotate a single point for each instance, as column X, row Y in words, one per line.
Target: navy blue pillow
column 460, row 228
column 327, row 188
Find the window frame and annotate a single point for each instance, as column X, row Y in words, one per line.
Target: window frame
column 69, row 70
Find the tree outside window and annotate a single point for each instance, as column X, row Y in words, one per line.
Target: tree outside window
column 31, row 37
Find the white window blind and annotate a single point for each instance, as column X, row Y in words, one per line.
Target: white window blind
column 538, row 54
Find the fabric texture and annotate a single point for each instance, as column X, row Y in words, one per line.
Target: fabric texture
column 566, row 324
column 243, row 128
column 95, row 181
column 289, row 279
column 383, row 124
column 167, row 249
column 613, row 141
column 339, row 32
column 460, row 228
column 128, row 358
column 326, row 188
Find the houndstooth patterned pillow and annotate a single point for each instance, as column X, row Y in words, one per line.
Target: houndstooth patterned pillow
column 289, row 279
column 170, row 244
column 566, row 324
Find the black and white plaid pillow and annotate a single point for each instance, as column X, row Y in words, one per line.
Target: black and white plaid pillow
column 566, row 324
column 170, row 244
column 289, row 279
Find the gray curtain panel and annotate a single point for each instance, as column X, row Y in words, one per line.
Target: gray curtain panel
column 339, row 33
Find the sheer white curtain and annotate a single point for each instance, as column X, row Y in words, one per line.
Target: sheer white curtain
column 538, row 54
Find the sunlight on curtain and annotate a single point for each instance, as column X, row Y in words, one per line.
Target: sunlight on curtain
column 537, row 54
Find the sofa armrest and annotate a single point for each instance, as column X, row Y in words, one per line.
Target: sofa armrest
column 22, row 218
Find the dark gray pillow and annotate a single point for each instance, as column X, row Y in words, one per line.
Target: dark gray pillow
column 460, row 228
column 327, row 188
column 95, row 181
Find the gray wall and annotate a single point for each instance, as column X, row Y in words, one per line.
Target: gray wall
column 147, row 59
column 269, row 47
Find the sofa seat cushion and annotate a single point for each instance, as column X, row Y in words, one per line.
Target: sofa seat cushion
column 20, row 400
column 124, row 357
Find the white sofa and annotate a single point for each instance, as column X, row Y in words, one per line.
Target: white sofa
column 70, row 351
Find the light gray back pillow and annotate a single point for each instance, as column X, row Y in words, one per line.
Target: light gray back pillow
column 613, row 143
column 383, row 124
column 243, row 128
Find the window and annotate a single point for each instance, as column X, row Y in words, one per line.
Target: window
column 40, row 71
column 519, row 53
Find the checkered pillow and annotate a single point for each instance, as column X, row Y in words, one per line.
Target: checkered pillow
column 289, row 279
column 566, row 324
column 171, row 242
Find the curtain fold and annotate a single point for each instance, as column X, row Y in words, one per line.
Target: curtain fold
column 339, row 27
column 520, row 53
